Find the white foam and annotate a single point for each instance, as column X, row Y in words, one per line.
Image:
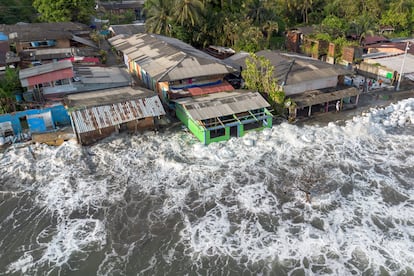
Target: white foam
column 236, row 200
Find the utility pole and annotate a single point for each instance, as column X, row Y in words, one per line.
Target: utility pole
column 402, row 66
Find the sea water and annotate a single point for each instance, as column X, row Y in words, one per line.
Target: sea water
column 292, row 200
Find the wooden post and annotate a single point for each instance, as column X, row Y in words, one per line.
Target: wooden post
column 327, row 107
column 310, row 111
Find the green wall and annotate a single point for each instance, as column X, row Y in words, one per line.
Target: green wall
column 204, row 135
column 225, row 137
column 197, row 130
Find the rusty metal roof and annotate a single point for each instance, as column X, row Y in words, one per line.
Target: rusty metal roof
column 222, row 87
column 168, row 59
column 222, row 104
column 99, row 117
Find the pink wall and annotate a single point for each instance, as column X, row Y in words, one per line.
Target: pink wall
column 52, row 76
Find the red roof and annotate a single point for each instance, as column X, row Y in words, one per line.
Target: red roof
column 374, row 39
column 222, row 87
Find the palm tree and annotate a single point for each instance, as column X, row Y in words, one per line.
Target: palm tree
column 306, row 6
column 158, row 14
column 230, row 32
column 268, row 28
column 188, row 12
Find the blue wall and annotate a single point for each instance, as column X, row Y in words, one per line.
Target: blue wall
column 60, row 117
column 36, row 125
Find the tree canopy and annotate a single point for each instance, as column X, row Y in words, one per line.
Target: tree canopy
column 9, row 85
column 252, row 25
column 248, row 25
column 65, row 10
column 13, row 11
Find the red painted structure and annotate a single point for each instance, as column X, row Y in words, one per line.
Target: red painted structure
column 50, row 77
column 195, row 91
column 46, row 73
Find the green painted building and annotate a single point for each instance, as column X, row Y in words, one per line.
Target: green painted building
column 220, row 116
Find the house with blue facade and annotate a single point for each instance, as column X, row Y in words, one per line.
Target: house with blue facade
column 33, row 121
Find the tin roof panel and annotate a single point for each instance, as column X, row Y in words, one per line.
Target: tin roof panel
column 222, row 104
column 98, row 117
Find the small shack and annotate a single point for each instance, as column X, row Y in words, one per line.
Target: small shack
column 317, row 101
column 220, row 116
column 96, row 115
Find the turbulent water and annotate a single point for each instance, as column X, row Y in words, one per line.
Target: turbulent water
column 294, row 200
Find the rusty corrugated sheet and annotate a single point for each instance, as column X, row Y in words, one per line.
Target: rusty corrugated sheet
column 222, row 87
column 95, row 118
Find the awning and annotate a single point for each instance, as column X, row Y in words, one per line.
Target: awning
column 318, row 97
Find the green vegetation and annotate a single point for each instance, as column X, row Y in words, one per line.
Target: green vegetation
column 258, row 76
column 65, row 10
column 9, row 85
column 248, row 25
column 126, row 17
column 13, row 11
column 253, row 25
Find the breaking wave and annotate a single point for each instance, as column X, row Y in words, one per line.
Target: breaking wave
column 335, row 199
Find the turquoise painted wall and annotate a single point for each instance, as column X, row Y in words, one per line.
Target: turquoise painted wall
column 60, row 116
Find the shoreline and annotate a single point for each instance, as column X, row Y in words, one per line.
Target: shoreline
column 367, row 100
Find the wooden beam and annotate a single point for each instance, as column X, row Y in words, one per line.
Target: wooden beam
column 220, row 121
column 253, row 115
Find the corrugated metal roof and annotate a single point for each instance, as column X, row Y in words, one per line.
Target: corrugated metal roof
column 44, row 68
column 222, row 104
column 394, row 63
column 317, row 97
column 84, row 41
column 128, row 29
column 107, row 96
column 295, row 68
column 168, row 59
column 292, row 68
column 43, row 31
column 98, row 117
